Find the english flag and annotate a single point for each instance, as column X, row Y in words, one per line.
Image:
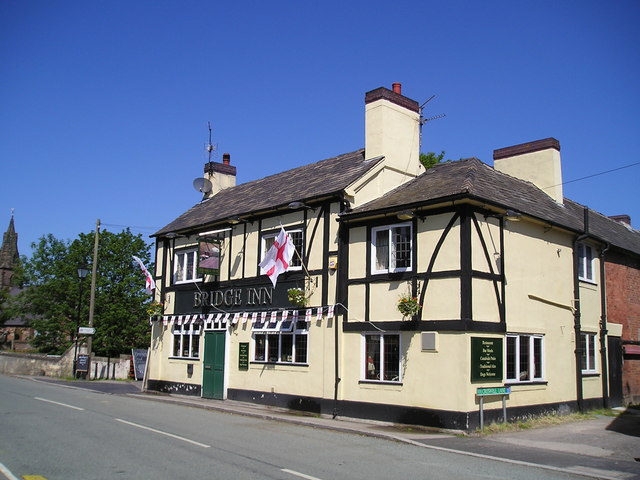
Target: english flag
column 149, row 283
column 278, row 258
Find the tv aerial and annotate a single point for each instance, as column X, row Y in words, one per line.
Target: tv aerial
column 424, row 120
column 210, row 147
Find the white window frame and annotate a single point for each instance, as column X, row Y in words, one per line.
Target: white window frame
column 586, row 263
column 181, row 272
column 519, row 373
column 296, row 259
column 382, row 373
column 388, row 230
column 300, row 329
column 589, row 350
column 187, row 332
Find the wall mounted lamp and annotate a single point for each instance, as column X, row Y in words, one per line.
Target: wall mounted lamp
column 172, row 235
column 234, row 220
column 408, row 215
column 296, row 205
column 509, row 215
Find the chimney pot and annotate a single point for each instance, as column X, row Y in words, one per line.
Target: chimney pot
column 226, row 158
column 397, row 88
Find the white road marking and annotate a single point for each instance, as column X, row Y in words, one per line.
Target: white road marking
column 163, row 433
column 7, row 473
column 58, row 403
column 298, row 474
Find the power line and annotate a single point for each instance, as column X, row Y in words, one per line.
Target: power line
column 133, row 227
column 594, row 175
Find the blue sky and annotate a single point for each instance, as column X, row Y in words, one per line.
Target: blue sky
column 104, row 105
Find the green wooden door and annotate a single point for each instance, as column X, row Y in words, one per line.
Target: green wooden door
column 213, row 363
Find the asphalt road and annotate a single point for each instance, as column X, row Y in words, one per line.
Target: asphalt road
column 62, row 433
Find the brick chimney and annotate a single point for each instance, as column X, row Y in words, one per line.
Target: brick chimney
column 624, row 219
column 221, row 175
column 392, row 129
column 537, row 162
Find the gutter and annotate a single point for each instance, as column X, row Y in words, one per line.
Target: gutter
column 603, row 329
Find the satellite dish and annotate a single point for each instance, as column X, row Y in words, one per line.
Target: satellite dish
column 202, row 185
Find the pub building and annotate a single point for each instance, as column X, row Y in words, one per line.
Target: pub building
column 409, row 292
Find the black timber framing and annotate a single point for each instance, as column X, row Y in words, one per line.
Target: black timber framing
column 468, row 222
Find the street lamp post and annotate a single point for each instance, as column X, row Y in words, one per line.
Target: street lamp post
column 83, row 271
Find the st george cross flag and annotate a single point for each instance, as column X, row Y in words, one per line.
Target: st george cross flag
column 149, row 283
column 278, row 258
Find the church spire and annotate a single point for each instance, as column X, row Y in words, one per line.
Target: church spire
column 9, row 256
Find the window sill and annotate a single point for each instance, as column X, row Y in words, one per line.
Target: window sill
column 590, row 374
column 534, row 382
column 588, row 281
column 191, row 359
column 379, row 382
column 286, row 364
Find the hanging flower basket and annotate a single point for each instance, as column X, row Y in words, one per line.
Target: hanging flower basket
column 297, row 297
column 154, row 309
column 408, row 306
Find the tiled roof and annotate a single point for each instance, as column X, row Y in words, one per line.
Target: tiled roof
column 471, row 178
column 304, row 183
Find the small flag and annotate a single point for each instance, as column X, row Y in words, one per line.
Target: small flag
column 330, row 311
column 285, row 314
column 150, row 285
column 319, row 314
column 254, row 317
column 245, row 315
column 235, row 318
column 307, row 315
column 278, row 258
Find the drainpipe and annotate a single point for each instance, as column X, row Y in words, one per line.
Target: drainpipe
column 603, row 330
column 343, row 268
column 576, row 314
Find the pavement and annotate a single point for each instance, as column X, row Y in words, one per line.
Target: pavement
column 606, row 447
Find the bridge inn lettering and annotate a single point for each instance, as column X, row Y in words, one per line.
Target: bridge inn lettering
column 234, row 297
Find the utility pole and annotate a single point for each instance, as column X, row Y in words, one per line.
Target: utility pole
column 92, row 301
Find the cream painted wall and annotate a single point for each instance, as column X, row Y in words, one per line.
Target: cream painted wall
column 315, row 379
column 384, row 300
column 358, row 252
column 539, row 263
column 442, row 300
column 429, row 232
column 485, row 303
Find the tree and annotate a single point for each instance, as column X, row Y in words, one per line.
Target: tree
column 430, row 159
column 54, row 296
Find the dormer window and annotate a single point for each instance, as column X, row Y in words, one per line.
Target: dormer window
column 391, row 248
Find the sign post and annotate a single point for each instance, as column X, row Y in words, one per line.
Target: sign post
column 488, row 391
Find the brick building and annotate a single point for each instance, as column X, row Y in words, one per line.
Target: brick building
column 623, row 307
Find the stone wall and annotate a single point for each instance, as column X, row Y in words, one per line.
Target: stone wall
column 14, row 363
